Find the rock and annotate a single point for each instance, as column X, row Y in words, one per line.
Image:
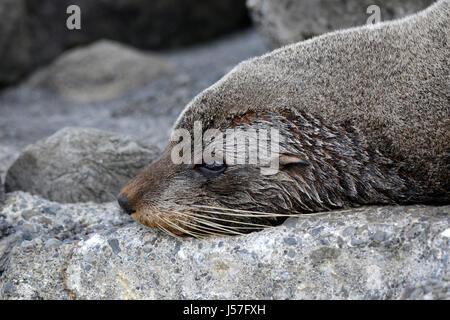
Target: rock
column 101, row 71
column 28, row 219
column 286, row 21
column 144, row 24
column 309, row 257
column 2, row 192
column 15, row 55
column 428, row 290
column 33, row 33
column 8, row 154
column 79, row 164
column 29, row 112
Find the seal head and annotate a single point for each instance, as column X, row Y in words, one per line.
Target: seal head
column 362, row 116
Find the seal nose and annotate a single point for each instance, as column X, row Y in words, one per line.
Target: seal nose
column 123, row 202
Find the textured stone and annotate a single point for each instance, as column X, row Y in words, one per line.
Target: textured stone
column 8, row 154
column 141, row 23
column 287, row 21
column 101, row 71
column 29, row 112
column 79, row 164
column 2, row 191
column 15, row 55
column 33, row 33
column 108, row 257
column 27, row 219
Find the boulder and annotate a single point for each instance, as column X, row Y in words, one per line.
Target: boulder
column 15, row 55
column 141, row 23
column 88, row 251
column 2, row 191
column 29, row 113
column 101, row 71
column 79, row 165
column 33, row 33
column 8, row 154
column 287, row 21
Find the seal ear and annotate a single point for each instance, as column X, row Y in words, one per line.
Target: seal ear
column 291, row 159
column 284, row 160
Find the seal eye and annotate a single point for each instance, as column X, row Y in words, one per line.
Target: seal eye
column 211, row 170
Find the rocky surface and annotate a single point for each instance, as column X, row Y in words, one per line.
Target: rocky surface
column 286, row 21
column 27, row 217
column 79, row 165
column 101, row 71
column 90, row 251
column 15, row 54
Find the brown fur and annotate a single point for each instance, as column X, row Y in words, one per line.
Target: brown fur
column 368, row 108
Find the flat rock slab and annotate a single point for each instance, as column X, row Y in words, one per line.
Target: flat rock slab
column 79, row 165
column 365, row 253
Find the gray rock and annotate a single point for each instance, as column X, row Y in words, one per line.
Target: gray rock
column 2, row 191
column 28, row 220
column 29, row 113
column 54, row 222
column 79, row 164
column 33, row 33
column 15, row 55
column 155, row 24
column 8, row 154
column 101, row 71
column 287, row 21
column 430, row 289
column 285, row 262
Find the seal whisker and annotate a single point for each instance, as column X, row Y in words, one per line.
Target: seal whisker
column 213, row 225
column 218, row 226
column 204, row 230
column 237, row 210
column 232, row 221
column 228, row 229
column 160, row 227
column 174, row 225
column 259, row 227
column 207, row 225
column 255, row 214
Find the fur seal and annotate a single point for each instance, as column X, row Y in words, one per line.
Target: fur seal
column 363, row 116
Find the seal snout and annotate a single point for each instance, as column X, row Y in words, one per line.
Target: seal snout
column 124, row 203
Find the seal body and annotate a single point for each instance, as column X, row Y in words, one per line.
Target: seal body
column 363, row 116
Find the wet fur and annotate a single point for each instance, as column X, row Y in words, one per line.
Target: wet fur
column 366, row 108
